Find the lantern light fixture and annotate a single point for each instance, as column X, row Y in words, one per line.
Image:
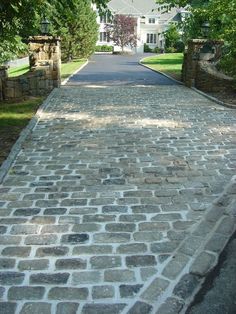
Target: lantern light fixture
column 45, row 26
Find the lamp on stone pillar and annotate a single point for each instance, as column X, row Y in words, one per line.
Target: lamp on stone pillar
column 205, row 28
column 45, row 26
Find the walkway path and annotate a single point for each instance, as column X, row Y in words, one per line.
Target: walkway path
column 108, row 206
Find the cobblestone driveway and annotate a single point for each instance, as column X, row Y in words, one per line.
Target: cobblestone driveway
column 107, row 208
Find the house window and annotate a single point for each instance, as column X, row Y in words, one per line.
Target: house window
column 151, row 38
column 152, row 20
column 104, row 37
column 103, row 18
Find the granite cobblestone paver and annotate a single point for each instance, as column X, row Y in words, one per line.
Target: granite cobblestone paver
column 114, row 202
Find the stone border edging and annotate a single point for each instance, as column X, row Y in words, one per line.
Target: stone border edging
column 219, row 102
column 23, row 135
column 176, row 293
column 68, row 78
column 222, row 103
column 7, row 163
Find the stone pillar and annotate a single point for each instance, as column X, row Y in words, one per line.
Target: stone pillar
column 199, row 49
column 191, row 58
column 46, row 51
column 3, row 78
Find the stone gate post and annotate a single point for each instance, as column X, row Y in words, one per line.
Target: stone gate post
column 3, row 77
column 46, row 51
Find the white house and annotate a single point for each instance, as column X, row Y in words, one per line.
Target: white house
column 152, row 21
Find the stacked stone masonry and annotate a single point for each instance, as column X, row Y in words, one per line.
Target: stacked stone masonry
column 44, row 74
column 199, row 68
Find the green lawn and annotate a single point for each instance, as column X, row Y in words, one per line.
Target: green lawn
column 69, row 68
column 66, row 69
column 16, row 71
column 13, row 118
column 18, row 113
column 169, row 63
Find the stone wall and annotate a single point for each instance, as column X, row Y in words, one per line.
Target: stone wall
column 199, row 66
column 44, row 74
column 210, row 80
column 3, row 78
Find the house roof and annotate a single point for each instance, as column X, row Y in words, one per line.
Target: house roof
column 134, row 7
column 141, row 8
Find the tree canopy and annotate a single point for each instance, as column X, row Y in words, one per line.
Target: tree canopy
column 221, row 15
column 122, row 31
column 75, row 22
column 21, row 18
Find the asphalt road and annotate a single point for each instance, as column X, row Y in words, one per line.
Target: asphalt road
column 218, row 293
column 105, row 69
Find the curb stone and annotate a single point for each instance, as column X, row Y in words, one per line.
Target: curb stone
column 22, row 137
column 26, row 131
column 214, row 99
column 219, row 102
column 179, row 292
column 211, row 259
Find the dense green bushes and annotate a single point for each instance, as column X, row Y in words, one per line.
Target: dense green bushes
column 104, row 48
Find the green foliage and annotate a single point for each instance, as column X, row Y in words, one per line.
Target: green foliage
column 101, row 4
column 179, row 46
column 170, row 50
column 171, row 36
column 147, row 48
column 20, row 19
column 221, row 14
column 122, row 31
column 10, row 48
column 75, row 22
column 104, row 48
column 155, row 50
column 158, row 50
column 17, row 71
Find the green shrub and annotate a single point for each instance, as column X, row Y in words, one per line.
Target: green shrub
column 107, row 48
column 147, row 48
column 158, row 50
column 104, row 48
column 98, row 48
column 179, row 46
column 170, row 50
column 226, row 65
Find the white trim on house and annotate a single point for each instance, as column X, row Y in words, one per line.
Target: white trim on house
column 152, row 22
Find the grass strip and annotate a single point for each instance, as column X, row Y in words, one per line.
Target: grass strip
column 17, row 71
column 18, row 113
column 169, row 63
column 13, row 118
column 70, row 67
column 66, row 68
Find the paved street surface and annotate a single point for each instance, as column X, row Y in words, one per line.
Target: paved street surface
column 117, row 70
column 108, row 206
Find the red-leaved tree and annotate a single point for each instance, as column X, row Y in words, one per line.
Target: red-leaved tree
column 122, row 31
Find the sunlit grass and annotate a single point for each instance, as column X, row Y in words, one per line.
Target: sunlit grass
column 66, row 68
column 70, row 67
column 169, row 63
column 16, row 71
column 18, row 113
